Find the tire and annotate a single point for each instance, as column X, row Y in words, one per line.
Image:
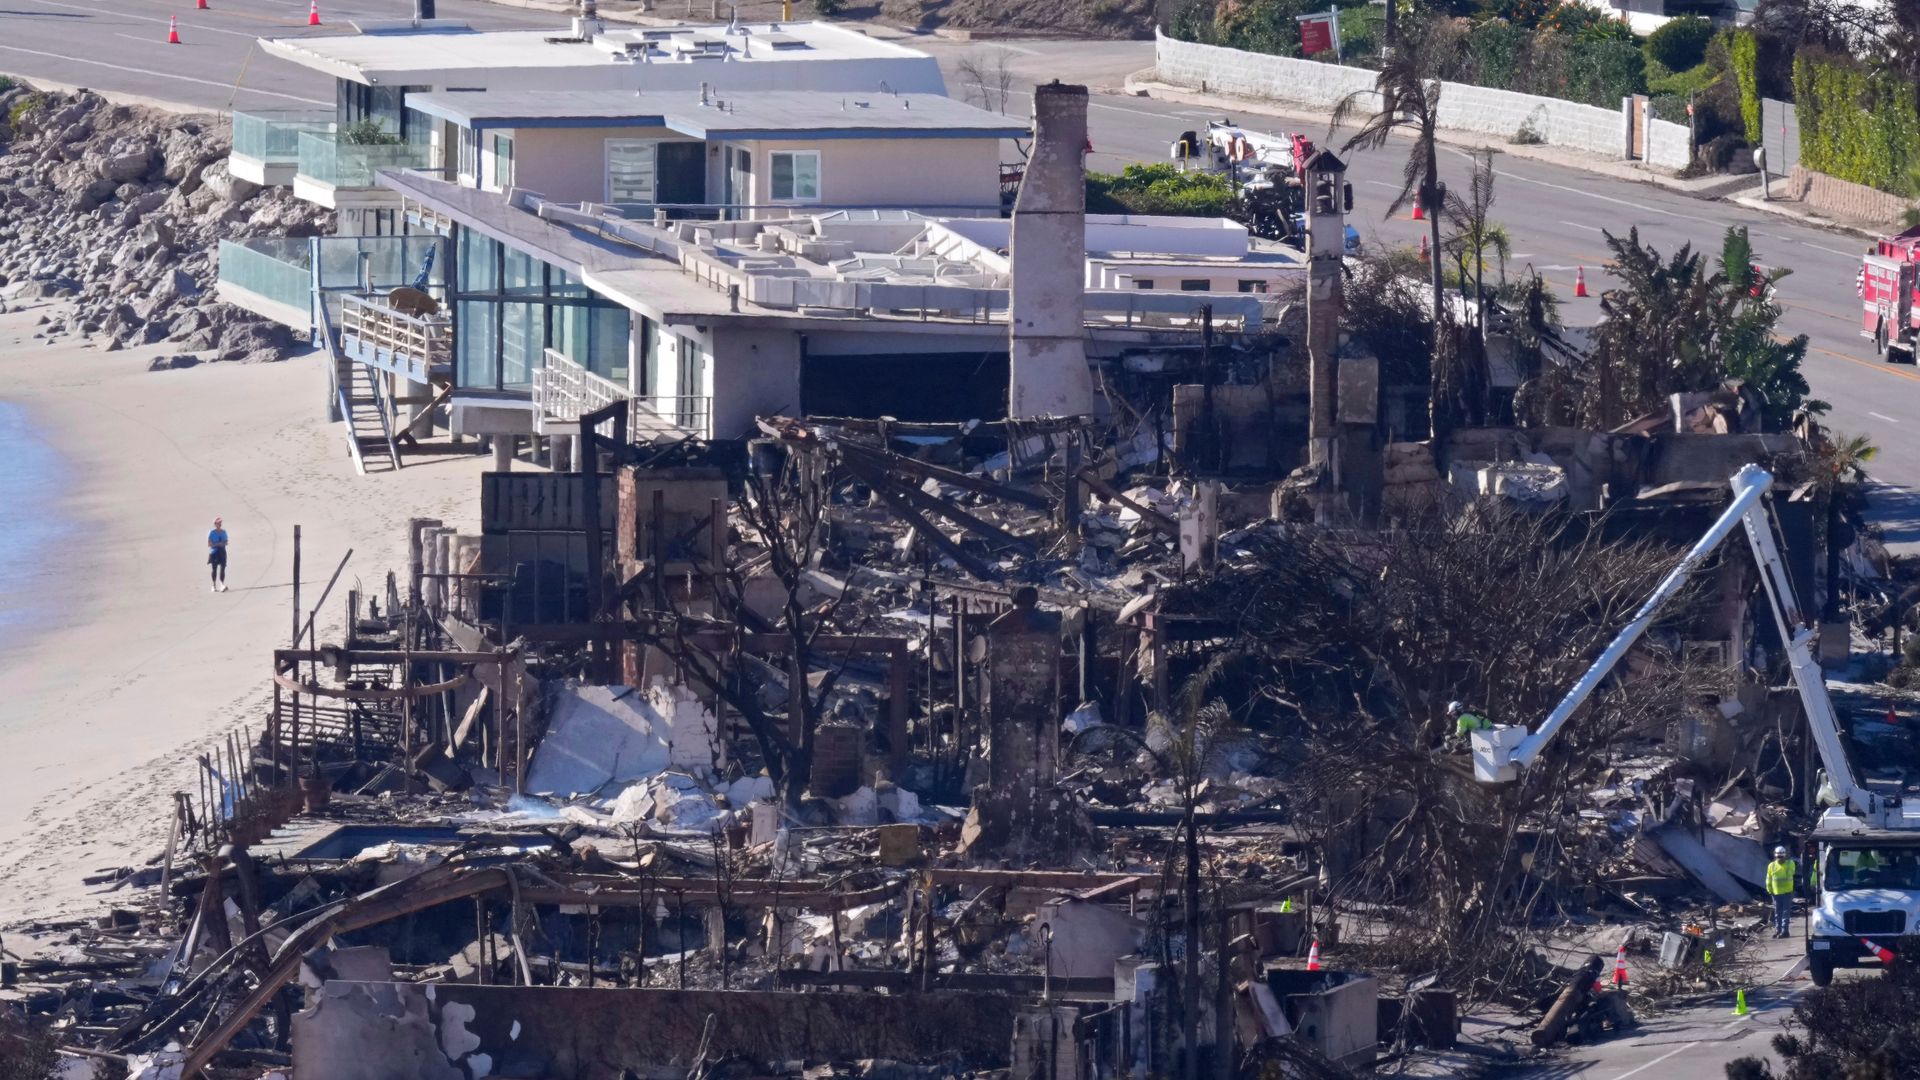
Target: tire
column 1880, row 342
column 1821, row 971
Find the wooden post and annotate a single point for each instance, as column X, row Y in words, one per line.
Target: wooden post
column 897, row 710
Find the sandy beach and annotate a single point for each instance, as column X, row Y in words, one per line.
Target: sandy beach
column 134, row 666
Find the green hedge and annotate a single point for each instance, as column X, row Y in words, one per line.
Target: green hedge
column 1743, row 50
column 1159, row 189
column 1857, row 125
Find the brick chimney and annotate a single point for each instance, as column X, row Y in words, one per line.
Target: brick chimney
column 1049, row 374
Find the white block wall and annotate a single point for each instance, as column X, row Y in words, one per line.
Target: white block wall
column 1668, row 145
column 1245, row 74
column 1483, row 110
column 1502, row 113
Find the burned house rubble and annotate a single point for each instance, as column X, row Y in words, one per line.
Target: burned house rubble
column 1047, row 746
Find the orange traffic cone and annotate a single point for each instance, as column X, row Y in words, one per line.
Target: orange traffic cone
column 1620, row 966
column 1885, row 955
column 1580, row 285
column 173, row 30
column 1425, row 252
column 1313, row 956
column 1418, row 213
column 313, row 12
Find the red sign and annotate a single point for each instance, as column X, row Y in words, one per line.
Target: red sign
column 1316, row 34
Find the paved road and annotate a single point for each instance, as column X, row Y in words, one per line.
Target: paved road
column 120, row 45
column 1555, row 214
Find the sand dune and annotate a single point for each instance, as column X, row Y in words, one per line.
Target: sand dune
column 103, row 707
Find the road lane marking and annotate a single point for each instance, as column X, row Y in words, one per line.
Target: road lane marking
column 1830, row 251
column 145, row 18
column 1577, row 225
column 158, row 74
column 1883, row 416
column 1850, row 320
column 1871, row 365
column 1656, row 1061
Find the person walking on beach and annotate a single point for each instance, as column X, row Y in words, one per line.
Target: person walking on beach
column 217, row 556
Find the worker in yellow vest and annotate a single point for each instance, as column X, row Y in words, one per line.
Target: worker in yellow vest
column 1465, row 723
column 1780, row 874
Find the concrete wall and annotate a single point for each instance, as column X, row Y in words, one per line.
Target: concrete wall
column 408, row 1031
column 1503, row 114
column 891, row 172
column 570, row 164
column 1669, row 145
column 1845, row 199
column 1212, row 69
column 1485, row 110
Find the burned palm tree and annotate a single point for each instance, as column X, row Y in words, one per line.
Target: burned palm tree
column 1409, row 100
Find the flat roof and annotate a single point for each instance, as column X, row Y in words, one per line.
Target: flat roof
column 737, row 115
column 381, row 53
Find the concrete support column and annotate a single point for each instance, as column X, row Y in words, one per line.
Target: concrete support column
column 420, row 417
column 502, row 453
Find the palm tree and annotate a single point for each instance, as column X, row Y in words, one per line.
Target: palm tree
column 1409, row 99
column 1475, row 232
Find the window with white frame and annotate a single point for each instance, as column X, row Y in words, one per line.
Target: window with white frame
column 503, row 161
column 795, row 175
column 630, row 170
column 470, row 154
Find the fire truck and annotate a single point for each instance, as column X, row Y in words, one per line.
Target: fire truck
column 1889, row 313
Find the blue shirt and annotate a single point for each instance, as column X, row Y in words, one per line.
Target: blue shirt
column 217, row 539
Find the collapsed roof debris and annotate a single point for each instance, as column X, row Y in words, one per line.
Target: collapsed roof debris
column 976, row 716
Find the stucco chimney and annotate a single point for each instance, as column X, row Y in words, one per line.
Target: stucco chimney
column 1048, row 256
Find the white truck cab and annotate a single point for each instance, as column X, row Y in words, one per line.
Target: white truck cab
column 1866, row 884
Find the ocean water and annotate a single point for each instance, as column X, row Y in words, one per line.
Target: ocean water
column 32, row 479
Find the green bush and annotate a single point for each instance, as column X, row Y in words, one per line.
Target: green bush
column 1191, row 21
column 1680, row 83
column 1857, row 125
column 367, row 133
column 1602, row 72
column 1159, row 189
column 1743, row 55
column 28, row 104
column 1681, row 44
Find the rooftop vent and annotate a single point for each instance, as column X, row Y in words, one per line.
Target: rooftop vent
column 781, row 42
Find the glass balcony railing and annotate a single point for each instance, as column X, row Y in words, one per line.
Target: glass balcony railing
column 274, row 136
column 326, row 159
column 275, row 267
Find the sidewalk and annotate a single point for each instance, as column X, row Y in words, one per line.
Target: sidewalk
column 1740, row 190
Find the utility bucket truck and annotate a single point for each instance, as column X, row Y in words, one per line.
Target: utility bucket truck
column 1866, row 872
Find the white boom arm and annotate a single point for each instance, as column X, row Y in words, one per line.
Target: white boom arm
column 1500, row 753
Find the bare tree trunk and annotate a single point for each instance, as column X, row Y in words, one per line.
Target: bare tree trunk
column 1190, row 976
column 1429, row 192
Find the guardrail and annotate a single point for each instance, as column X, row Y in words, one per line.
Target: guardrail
column 565, row 391
column 274, row 135
column 325, row 158
column 381, row 336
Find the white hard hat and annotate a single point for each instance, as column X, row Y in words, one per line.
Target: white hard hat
column 1780, row 850
column 1454, row 706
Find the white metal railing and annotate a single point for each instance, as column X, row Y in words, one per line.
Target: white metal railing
column 408, row 345
column 565, row 391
